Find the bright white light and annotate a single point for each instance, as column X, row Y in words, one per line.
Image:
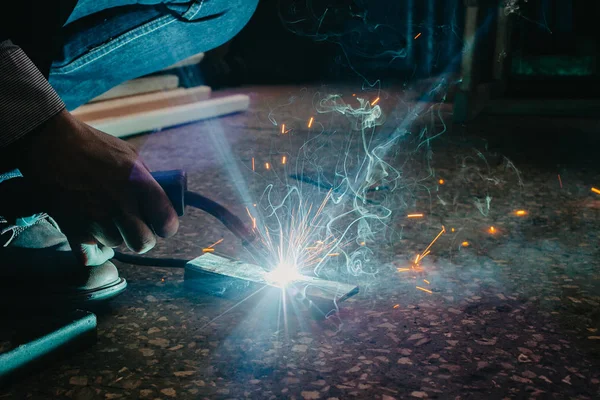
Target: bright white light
column 283, row 275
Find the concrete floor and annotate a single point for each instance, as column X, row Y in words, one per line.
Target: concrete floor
column 512, row 313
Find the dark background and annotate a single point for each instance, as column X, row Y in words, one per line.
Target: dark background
column 303, row 41
column 316, row 41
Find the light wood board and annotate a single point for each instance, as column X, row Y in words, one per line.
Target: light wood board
column 195, row 59
column 139, row 86
column 140, row 103
column 135, row 123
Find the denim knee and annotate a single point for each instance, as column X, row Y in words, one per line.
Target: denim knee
column 155, row 42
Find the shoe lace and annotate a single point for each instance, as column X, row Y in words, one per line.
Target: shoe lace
column 16, row 230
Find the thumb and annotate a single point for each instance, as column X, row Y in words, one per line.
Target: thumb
column 90, row 253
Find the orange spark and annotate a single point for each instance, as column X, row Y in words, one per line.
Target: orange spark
column 418, row 35
column 267, row 165
column 414, row 216
column 452, row 229
column 597, row 191
column 251, row 218
column 465, row 244
column 282, row 128
column 396, row 306
column 559, row 181
column 253, row 169
column 521, row 213
column 283, row 160
column 492, row 230
column 362, row 243
column 426, row 281
column 208, row 250
column 375, row 101
column 425, row 290
column 441, row 181
column 426, row 251
column 333, row 254
column 310, row 121
column 216, row 243
column 402, row 269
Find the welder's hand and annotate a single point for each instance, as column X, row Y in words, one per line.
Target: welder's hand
column 92, row 254
column 95, row 186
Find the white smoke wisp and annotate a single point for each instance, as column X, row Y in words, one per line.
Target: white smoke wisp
column 314, row 225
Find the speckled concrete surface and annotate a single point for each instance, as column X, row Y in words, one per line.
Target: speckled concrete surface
column 512, row 313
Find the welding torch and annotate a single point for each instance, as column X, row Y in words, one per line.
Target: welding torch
column 174, row 183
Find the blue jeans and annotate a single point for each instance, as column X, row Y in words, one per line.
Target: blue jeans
column 107, row 42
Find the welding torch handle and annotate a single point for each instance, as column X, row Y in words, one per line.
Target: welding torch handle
column 174, row 183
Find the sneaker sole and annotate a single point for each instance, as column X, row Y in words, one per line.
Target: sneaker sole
column 100, row 294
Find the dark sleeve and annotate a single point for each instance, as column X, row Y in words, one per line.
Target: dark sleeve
column 26, row 98
column 30, row 37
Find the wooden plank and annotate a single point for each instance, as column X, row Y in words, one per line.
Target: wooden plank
column 223, row 276
column 139, row 86
column 140, row 103
column 170, row 116
column 195, row 59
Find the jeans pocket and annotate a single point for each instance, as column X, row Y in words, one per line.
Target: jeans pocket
column 194, row 10
column 200, row 9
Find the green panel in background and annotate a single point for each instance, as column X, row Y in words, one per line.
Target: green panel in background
column 554, row 65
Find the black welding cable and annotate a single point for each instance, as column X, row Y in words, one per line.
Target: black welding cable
column 227, row 218
column 150, row 261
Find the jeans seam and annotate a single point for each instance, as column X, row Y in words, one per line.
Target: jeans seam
column 95, row 54
column 197, row 6
column 103, row 50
